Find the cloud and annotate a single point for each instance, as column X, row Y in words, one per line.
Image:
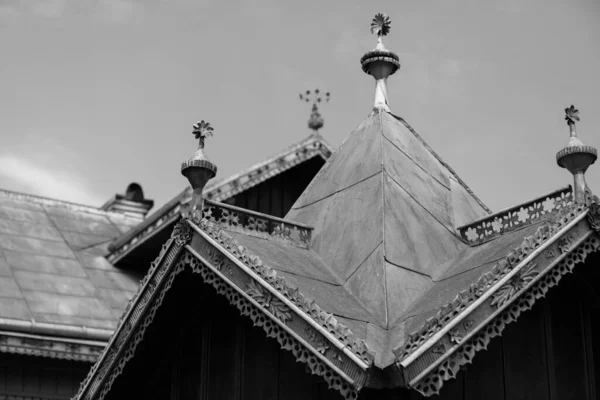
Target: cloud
column 24, row 175
column 114, row 11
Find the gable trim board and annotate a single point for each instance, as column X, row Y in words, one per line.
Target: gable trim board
column 307, row 149
column 485, row 309
column 51, row 347
column 299, row 325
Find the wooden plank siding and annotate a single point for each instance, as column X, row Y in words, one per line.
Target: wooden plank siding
column 276, row 196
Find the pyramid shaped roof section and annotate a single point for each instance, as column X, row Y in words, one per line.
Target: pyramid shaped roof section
column 385, row 210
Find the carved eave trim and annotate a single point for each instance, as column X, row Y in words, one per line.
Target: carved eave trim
column 169, row 217
column 43, row 346
column 510, row 219
column 340, row 367
column 138, row 315
column 314, row 146
column 455, row 344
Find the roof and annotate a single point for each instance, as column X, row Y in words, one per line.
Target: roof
column 54, row 281
column 388, row 270
column 306, row 149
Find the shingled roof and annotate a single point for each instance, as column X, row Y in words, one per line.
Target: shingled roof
column 387, row 271
column 54, row 281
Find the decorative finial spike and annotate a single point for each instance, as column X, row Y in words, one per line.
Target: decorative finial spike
column 316, row 120
column 380, row 62
column 576, row 157
column 198, row 169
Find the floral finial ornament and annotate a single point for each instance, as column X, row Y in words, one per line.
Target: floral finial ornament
column 201, row 131
column 571, row 115
column 381, row 24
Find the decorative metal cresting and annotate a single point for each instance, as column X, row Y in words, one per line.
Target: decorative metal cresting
column 576, row 157
column 316, row 121
column 198, row 169
column 380, row 62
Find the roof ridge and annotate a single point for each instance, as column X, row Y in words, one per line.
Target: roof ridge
column 48, row 201
column 448, row 167
column 298, row 145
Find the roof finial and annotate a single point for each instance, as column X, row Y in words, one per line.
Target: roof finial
column 316, row 121
column 380, row 26
column 198, row 169
column 576, row 157
column 380, row 62
column 201, row 131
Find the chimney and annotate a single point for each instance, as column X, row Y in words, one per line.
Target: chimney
column 132, row 203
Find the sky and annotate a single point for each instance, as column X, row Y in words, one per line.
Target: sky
column 95, row 94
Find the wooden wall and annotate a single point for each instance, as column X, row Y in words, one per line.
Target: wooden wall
column 550, row 353
column 30, row 377
column 276, row 196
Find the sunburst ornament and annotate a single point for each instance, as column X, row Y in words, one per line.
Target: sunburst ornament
column 571, row 115
column 380, row 25
column 201, row 131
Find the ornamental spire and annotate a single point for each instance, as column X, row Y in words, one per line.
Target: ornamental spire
column 316, row 121
column 380, row 62
column 198, row 169
column 576, row 157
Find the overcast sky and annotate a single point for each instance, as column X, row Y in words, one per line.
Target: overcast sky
column 95, row 94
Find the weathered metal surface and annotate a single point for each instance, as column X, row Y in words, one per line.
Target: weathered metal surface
column 405, row 141
column 289, row 258
column 432, row 195
column 368, row 284
column 465, row 208
column 414, row 239
column 403, row 288
column 357, row 159
column 335, row 299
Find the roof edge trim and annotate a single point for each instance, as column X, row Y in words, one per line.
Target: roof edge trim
column 273, row 317
column 45, row 328
column 462, row 349
column 219, row 190
column 563, row 228
column 50, row 347
column 235, row 253
column 48, row 201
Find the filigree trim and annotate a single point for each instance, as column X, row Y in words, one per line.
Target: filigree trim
column 182, row 233
column 285, row 340
column 432, row 383
column 256, row 224
column 514, row 285
column 268, row 301
column 594, row 216
column 463, row 299
column 497, row 224
column 269, row 275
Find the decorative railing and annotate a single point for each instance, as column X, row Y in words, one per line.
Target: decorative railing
column 257, row 224
column 494, row 225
